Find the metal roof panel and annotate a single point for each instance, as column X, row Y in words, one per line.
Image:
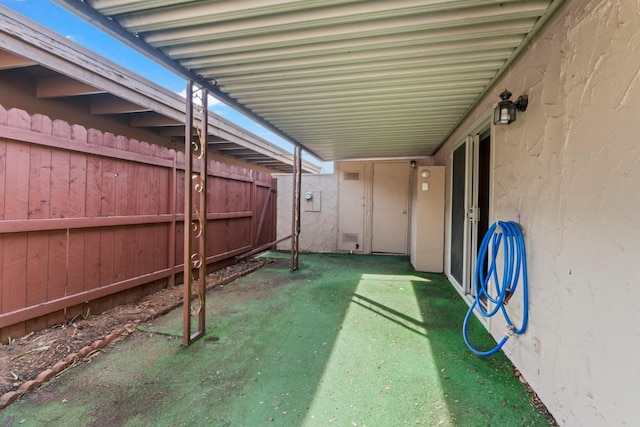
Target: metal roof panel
column 344, row 78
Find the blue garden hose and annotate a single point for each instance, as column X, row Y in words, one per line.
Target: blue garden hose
column 510, row 236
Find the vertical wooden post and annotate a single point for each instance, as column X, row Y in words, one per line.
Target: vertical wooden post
column 295, row 232
column 195, row 228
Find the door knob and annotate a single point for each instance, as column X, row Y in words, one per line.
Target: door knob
column 403, row 212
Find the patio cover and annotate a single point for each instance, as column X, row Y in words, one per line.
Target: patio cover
column 345, row 79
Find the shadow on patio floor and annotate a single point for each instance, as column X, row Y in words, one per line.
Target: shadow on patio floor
column 345, row 341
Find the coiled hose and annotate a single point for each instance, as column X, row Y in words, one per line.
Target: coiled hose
column 509, row 234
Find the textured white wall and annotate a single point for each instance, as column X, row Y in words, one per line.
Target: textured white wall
column 569, row 169
column 319, row 230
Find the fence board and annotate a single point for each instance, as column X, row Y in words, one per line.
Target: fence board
column 60, row 184
column 61, row 207
column 39, row 182
column 76, row 262
column 3, row 170
column 105, row 263
column 38, row 262
column 18, row 191
column 91, row 259
column 58, row 262
column 138, row 203
column 3, row 153
column 77, row 209
column 121, row 209
column 1, row 270
column 77, row 185
column 14, row 272
column 93, row 208
column 107, row 208
column 93, row 182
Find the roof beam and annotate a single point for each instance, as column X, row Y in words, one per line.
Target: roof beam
column 224, row 146
column 227, row 147
column 110, row 104
column 9, row 60
column 152, row 120
column 60, row 86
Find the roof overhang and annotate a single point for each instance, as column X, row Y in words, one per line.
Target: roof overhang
column 343, row 78
column 64, row 69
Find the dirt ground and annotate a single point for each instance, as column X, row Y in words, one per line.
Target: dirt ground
column 24, row 358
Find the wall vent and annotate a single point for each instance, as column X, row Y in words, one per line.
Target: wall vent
column 350, row 237
column 352, row 176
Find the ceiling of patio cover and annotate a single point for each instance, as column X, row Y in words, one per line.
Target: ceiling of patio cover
column 344, row 78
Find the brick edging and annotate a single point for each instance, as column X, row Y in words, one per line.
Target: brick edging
column 70, row 360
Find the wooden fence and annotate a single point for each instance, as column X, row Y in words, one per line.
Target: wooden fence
column 90, row 220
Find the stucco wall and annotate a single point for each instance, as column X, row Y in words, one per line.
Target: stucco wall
column 318, row 228
column 569, row 170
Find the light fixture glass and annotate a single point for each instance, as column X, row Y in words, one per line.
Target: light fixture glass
column 425, row 174
column 505, row 111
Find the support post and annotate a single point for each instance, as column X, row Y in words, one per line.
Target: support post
column 195, row 218
column 297, row 185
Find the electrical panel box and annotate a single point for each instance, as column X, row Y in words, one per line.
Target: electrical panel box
column 427, row 220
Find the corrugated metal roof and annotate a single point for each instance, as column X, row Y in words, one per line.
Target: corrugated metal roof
column 346, row 79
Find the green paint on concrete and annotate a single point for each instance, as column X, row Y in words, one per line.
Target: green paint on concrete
column 345, row 341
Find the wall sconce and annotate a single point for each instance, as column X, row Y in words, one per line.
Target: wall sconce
column 413, row 164
column 505, row 112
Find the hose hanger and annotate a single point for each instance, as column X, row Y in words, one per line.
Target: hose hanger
column 508, row 236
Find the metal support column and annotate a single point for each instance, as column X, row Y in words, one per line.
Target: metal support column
column 297, row 185
column 195, row 216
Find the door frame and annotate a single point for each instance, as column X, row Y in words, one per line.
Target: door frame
column 471, row 139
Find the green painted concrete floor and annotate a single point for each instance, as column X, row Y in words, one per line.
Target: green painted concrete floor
column 344, row 341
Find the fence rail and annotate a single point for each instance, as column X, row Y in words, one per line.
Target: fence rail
column 91, row 219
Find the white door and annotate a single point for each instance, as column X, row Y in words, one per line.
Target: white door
column 390, row 219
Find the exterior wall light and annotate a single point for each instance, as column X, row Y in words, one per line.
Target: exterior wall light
column 505, row 112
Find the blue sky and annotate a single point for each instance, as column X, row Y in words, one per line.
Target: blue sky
column 59, row 20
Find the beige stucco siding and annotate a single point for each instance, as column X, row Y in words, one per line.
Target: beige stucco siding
column 569, row 170
column 318, row 219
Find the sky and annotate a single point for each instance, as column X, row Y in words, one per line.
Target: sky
column 65, row 23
